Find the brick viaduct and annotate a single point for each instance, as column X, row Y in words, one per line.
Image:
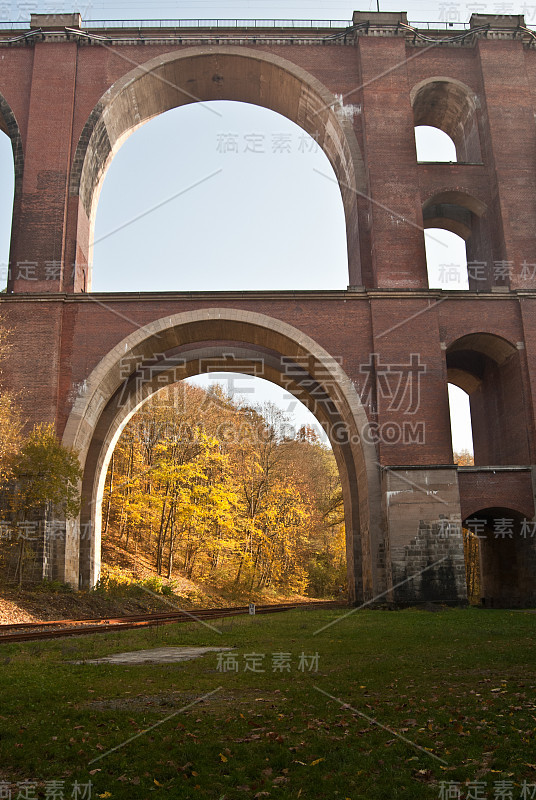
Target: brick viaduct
column 372, row 362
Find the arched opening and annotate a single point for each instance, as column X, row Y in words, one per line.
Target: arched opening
column 6, row 206
column 505, row 556
column 487, row 368
column 459, row 246
column 434, row 145
column 178, row 79
column 451, row 107
column 221, row 483
column 12, row 165
column 231, row 200
column 227, row 340
column 460, row 425
column 446, row 259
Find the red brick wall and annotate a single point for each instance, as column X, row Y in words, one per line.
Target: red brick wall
column 507, row 490
column 79, row 331
column 53, row 87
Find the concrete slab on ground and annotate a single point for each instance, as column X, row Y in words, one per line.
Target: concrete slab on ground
column 157, row 655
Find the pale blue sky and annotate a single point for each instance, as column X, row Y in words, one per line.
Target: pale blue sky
column 253, row 213
column 417, row 10
column 244, row 220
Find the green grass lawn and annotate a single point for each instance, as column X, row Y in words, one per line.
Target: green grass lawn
column 455, row 690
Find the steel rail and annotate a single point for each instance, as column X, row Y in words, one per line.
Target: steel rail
column 70, row 627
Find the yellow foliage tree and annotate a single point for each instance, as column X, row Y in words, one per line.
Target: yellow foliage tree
column 10, row 416
column 216, row 489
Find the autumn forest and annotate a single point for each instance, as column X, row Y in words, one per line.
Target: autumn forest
column 218, row 491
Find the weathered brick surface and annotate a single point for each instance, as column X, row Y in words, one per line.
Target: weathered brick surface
column 484, row 490
column 54, row 87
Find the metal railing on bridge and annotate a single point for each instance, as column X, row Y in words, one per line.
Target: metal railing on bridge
column 193, row 23
column 217, row 23
column 235, row 23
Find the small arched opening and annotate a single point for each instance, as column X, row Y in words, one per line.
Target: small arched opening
column 6, row 207
column 462, row 252
column 451, row 107
column 434, row 145
column 11, row 166
column 446, row 259
column 487, row 368
column 501, row 553
column 460, row 425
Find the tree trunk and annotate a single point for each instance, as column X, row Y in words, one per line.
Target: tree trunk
column 110, row 492
column 171, row 546
column 160, row 541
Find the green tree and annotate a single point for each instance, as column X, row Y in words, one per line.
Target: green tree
column 36, row 473
column 46, row 474
column 10, row 431
column 46, row 477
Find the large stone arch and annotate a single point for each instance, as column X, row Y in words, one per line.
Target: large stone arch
column 208, row 73
column 177, row 345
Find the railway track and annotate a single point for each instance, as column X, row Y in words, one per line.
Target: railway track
column 53, row 629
